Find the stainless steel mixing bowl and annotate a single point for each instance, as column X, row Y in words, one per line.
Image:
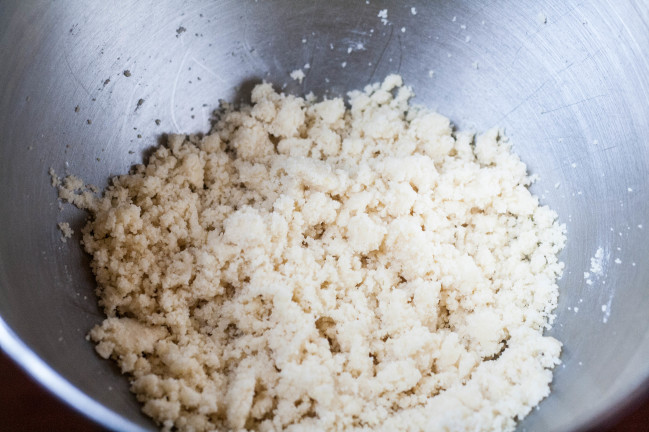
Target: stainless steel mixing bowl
column 568, row 80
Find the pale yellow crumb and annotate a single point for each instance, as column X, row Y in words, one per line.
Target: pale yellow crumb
column 73, row 190
column 312, row 267
column 298, row 75
column 55, row 180
column 65, row 230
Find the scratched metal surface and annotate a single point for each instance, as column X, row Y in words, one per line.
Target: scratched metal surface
column 569, row 82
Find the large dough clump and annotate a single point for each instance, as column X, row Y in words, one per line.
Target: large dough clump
column 311, row 267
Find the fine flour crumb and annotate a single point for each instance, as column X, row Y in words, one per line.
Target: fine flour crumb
column 65, row 230
column 308, row 266
column 596, row 262
column 298, row 75
column 55, row 180
column 383, row 15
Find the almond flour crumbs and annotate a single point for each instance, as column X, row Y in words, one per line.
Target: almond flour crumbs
column 383, row 15
column 298, row 75
column 596, row 262
column 311, row 267
column 66, row 231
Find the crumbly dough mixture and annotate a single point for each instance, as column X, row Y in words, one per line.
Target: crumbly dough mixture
column 311, row 267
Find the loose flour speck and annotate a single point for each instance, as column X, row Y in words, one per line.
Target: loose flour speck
column 298, row 75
